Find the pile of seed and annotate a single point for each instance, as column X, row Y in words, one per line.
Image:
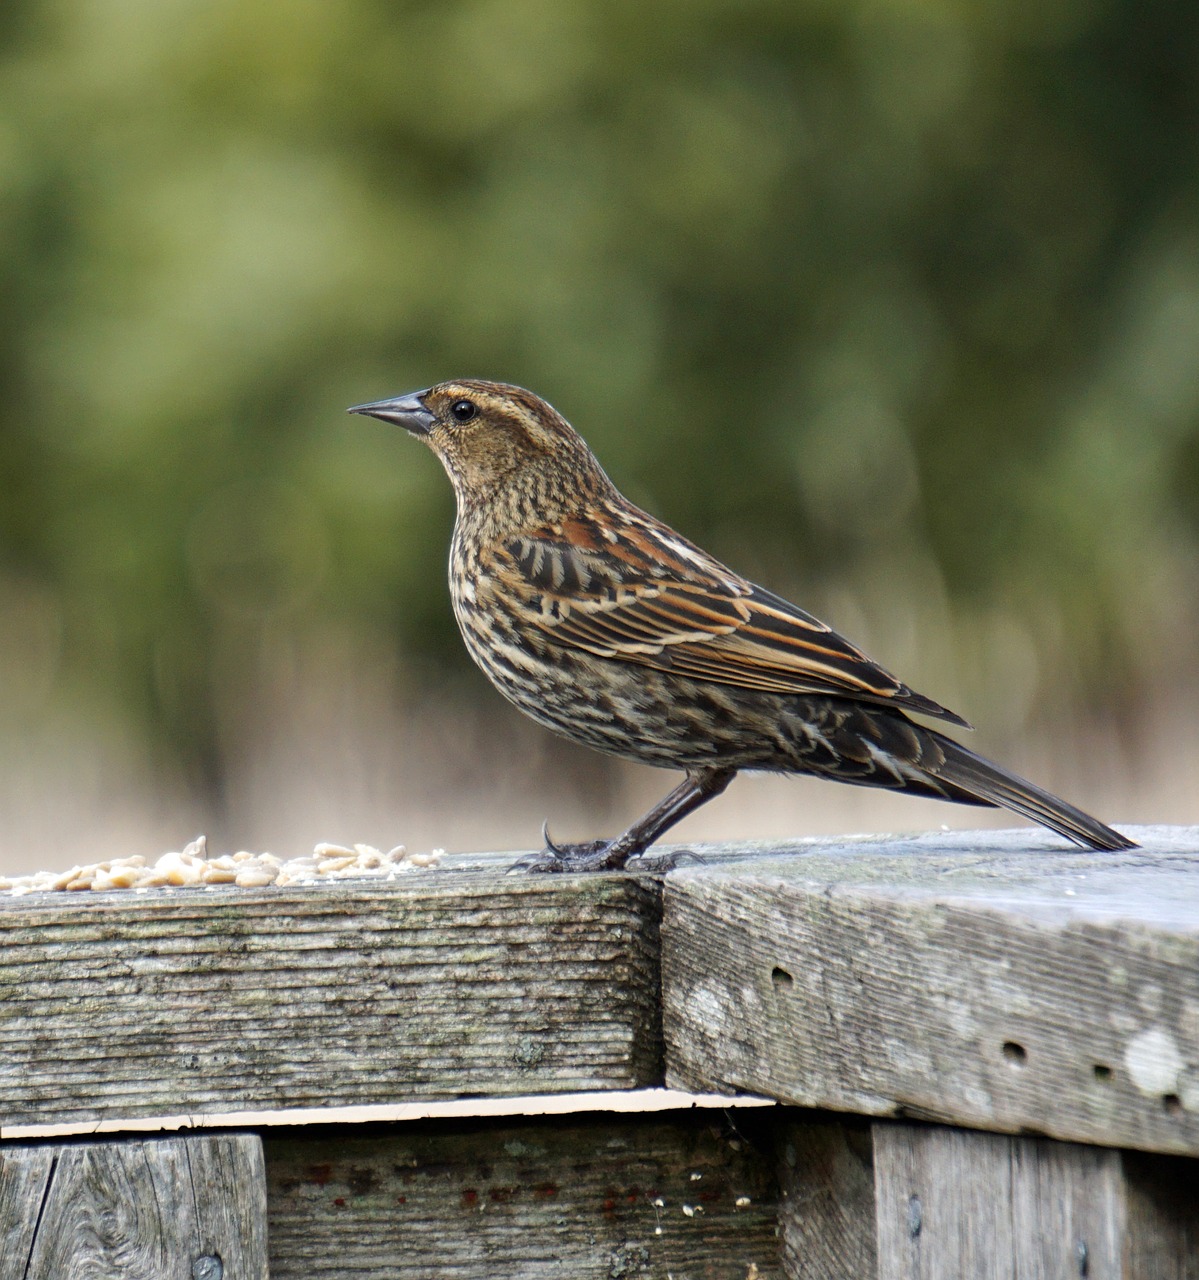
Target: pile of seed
column 192, row 866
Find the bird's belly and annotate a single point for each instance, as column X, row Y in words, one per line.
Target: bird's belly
column 635, row 712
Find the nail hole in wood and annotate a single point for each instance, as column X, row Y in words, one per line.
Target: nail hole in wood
column 1172, row 1103
column 780, row 977
column 1015, row 1053
column 1103, row 1073
column 915, row 1216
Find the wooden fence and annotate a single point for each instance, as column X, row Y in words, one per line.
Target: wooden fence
column 981, row 1053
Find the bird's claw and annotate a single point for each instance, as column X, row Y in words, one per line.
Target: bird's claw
column 657, row 864
column 587, row 855
column 596, row 855
column 539, row 862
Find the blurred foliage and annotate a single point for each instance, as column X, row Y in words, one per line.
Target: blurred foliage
column 887, row 301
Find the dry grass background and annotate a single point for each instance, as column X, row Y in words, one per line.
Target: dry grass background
column 331, row 751
column 894, row 307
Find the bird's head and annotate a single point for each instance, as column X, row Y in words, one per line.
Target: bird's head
column 490, row 436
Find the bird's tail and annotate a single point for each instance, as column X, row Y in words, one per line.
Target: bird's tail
column 982, row 781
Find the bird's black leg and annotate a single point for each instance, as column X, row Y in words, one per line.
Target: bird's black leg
column 611, row 855
column 696, row 789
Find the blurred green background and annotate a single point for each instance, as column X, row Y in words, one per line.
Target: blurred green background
column 894, row 305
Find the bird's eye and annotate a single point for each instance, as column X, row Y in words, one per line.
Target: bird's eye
column 464, row 410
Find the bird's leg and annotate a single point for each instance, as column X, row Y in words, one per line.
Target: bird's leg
column 611, row 855
column 695, row 789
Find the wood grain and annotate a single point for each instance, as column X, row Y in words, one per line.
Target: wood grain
column 692, row 1199
column 826, row 1200
column 24, row 1176
column 193, row 1208
column 988, row 979
column 223, row 999
column 953, row 1204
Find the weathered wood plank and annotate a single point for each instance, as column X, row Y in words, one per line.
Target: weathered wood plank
column 24, row 1174
column 952, row 1203
column 988, row 979
column 213, row 1000
column 186, row 1207
column 625, row 1197
column 826, row 1201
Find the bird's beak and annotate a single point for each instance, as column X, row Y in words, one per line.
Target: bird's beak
column 409, row 411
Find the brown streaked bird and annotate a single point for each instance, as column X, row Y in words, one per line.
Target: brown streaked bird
column 605, row 625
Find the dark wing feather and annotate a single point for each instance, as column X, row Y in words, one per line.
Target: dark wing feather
column 624, row 587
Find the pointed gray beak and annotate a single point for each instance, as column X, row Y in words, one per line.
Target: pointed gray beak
column 409, row 411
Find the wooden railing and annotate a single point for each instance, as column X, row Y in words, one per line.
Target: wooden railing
column 976, row 1055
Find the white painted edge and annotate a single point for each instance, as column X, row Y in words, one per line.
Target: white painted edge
column 628, row 1100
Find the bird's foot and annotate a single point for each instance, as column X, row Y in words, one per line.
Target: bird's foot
column 658, row 864
column 587, row 855
column 596, row 855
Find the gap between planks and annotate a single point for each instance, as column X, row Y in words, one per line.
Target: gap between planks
column 631, row 1101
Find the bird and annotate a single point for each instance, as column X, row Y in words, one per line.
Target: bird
column 602, row 623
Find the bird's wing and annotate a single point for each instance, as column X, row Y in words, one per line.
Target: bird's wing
column 631, row 590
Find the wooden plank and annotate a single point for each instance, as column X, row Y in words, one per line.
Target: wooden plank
column 600, row 1200
column 989, row 979
column 24, row 1176
column 952, row 1203
column 826, row 1201
column 187, row 1207
column 222, row 999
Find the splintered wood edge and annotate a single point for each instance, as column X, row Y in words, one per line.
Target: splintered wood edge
column 961, row 978
column 119, row 1005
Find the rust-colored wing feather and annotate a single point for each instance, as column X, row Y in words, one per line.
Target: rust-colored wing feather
column 623, row 586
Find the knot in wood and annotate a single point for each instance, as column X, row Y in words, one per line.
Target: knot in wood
column 208, row 1267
